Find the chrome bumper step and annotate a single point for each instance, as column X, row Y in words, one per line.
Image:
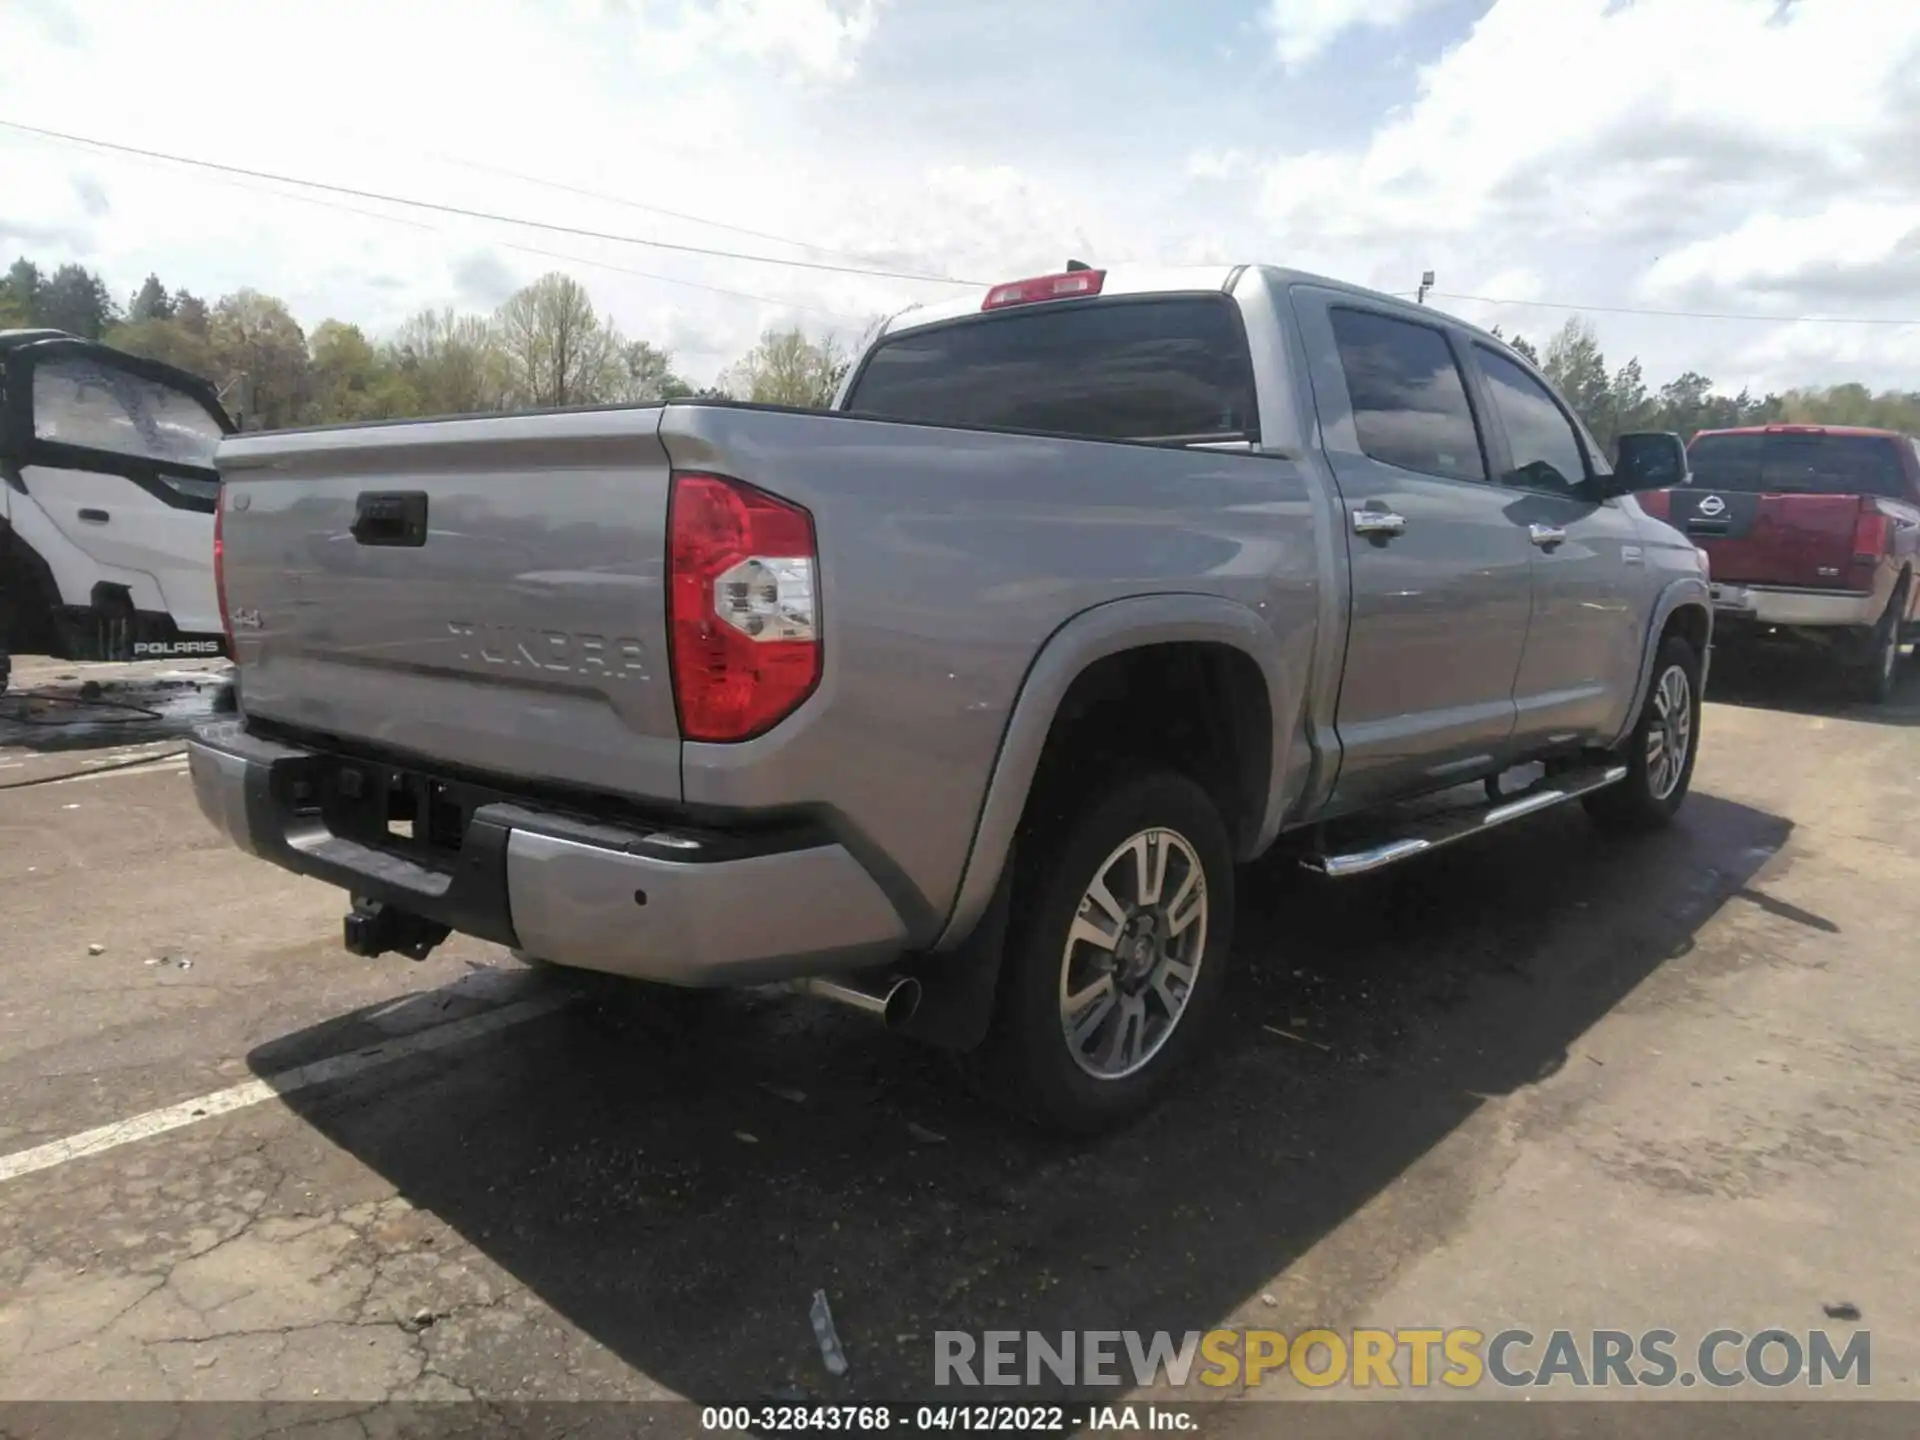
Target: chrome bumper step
column 1431, row 831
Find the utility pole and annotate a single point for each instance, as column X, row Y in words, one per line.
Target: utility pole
column 241, row 388
column 1426, row 284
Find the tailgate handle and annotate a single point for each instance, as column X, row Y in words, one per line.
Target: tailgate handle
column 390, row 517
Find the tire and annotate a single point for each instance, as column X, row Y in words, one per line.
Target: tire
column 1141, row 1023
column 1655, row 786
column 1877, row 676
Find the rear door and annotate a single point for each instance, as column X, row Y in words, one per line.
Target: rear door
column 1440, row 570
column 1590, row 579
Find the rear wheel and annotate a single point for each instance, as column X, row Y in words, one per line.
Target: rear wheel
column 1115, row 957
column 1875, row 676
column 1659, row 753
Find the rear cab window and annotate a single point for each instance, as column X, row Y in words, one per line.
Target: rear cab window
column 1169, row 370
column 1799, row 463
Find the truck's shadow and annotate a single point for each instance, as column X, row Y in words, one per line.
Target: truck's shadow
column 1804, row 683
column 678, row 1180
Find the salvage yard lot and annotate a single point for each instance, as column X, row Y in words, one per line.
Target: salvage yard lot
column 1545, row 1080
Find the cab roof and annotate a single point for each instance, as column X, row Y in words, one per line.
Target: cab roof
column 1173, row 279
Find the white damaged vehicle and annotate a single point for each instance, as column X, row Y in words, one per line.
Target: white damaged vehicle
column 107, row 493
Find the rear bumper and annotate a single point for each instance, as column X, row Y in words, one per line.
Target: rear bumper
column 658, row 905
column 1781, row 605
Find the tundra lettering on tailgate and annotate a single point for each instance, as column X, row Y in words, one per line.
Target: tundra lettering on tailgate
column 556, row 651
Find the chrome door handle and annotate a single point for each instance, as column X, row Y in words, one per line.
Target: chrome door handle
column 1546, row 536
column 1380, row 523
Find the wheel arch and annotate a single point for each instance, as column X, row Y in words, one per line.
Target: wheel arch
column 1684, row 608
column 1105, row 631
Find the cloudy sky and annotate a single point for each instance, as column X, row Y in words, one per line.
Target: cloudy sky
column 1729, row 157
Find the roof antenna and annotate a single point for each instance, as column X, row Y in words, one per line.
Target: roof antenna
column 1073, row 265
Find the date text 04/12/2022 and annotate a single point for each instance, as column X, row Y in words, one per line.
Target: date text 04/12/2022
column 1007, row 1419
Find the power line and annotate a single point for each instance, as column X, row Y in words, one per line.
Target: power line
column 641, row 206
column 536, row 250
column 862, row 270
column 324, row 204
column 487, row 215
column 694, row 284
column 1683, row 314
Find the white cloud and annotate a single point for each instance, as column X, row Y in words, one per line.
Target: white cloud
column 1210, row 164
column 1302, row 29
column 1787, row 356
column 1727, row 151
column 1847, row 252
column 690, row 106
column 1678, row 154
column 1505, row 293
column 1584, row 115
column 810, row 39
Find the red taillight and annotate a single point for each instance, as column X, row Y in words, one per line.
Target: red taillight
column 743, row 607
column 1871, row 533
column 1657, row 503
column 1068, row 285
column 220, row 571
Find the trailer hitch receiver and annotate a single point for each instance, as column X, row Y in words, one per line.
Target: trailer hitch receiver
column 373, row 927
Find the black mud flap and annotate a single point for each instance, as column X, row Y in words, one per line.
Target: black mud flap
column 957, row 988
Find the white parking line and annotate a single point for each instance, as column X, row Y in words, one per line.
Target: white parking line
column 239, row 1097
column 148, row 765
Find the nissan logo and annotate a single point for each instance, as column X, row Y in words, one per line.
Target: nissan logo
column 1713, row 505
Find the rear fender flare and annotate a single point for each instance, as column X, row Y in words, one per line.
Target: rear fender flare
column 1091, row 635
column 1688, row 590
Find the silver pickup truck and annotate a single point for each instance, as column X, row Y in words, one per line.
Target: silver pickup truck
column 960, row 705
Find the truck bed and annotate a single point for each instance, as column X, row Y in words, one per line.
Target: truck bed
column 524, row 637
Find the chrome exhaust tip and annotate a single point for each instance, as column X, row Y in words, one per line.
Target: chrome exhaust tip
column 891, row 1001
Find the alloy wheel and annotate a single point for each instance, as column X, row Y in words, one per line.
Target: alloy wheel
column 1133, row 953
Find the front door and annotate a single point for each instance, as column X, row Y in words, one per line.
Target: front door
column 1439, row 570
column 1584, row 646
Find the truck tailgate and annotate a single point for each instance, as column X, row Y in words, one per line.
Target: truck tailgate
column 1799, row 540
column 488, row 592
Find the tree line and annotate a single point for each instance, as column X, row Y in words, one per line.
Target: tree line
column 548, row 346
column 545, row 346
column 1614, row 402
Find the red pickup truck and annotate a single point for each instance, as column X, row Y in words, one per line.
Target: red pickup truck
column 1810, row 532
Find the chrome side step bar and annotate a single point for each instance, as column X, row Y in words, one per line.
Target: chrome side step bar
column 1430, row 832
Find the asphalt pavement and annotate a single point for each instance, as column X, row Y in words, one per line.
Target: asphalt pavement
column 1546, row 1079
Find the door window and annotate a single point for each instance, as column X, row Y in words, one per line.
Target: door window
column 84, row 401
column 1409, row 402
column 1546, row 451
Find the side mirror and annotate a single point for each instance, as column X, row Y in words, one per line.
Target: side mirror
column 1648, row 460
